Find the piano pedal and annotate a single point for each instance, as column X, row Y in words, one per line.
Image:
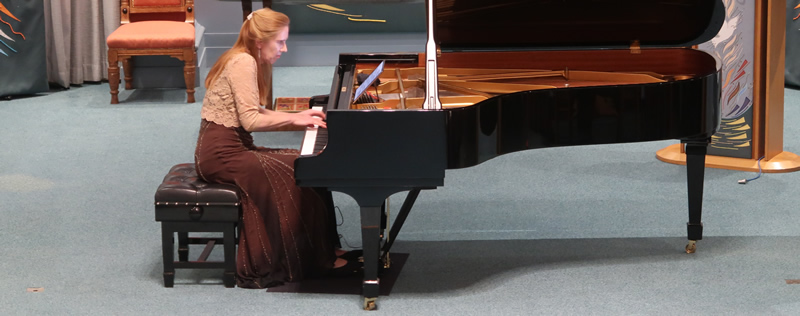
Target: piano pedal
column 383, row 265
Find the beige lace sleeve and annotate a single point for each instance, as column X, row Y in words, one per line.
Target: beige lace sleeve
column 232, row 100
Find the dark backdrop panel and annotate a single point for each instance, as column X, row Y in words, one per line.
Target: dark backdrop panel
column 23, row 68
column 792, row 74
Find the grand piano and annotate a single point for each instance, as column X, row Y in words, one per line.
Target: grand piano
column 504, row 76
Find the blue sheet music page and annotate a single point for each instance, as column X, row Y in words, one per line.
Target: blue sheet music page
column 368, row 82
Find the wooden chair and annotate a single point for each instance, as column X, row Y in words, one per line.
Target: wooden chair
column 247, row 7
column 152, row 27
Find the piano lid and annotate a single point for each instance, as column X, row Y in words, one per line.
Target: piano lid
column 574, row 24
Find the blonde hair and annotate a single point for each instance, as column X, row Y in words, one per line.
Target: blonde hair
column 263, row 25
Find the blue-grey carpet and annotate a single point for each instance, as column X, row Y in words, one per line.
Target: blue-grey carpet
column 594, row 230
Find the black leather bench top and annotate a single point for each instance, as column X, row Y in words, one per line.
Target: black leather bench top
column 181, row 186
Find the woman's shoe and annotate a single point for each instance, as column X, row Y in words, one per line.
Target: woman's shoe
column 353, row 255
column 352, row 267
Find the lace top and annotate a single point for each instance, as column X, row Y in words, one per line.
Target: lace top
column 232, row 100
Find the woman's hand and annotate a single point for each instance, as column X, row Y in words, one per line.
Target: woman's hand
column 309, row 118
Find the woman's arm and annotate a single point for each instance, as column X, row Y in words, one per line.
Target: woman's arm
column 273, row 119
column 253, row 117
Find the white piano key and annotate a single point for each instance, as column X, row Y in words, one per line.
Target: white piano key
column 310, row 138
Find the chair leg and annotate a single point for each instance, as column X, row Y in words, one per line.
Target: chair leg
column 167, row 244
column 113, row 75
column 247, row 8
column 189, row 74
column 127, row 69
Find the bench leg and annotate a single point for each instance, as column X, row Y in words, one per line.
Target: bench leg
column 229, row 239
column 168, row 256
column 183, row 246
column 229, row 246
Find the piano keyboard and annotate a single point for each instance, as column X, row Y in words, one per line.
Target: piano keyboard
column 315, row 138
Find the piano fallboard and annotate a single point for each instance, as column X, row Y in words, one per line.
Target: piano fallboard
column 370, row 150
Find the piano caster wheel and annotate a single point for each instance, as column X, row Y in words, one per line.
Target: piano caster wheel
column 691, row 247
column 369, row 303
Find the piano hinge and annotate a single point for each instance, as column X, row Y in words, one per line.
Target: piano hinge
column 635, row 47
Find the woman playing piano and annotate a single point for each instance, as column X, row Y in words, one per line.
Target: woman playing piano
column 288, row 232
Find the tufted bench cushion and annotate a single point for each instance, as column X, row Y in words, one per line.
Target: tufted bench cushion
column 186, row 204
column 182, row 196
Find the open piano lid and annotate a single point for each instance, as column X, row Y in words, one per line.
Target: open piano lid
column 574, row 24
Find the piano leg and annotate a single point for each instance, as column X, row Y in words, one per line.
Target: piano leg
column 372, row 204
column 370, row 238
column 695, row 172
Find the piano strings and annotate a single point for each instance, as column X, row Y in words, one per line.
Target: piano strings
column 404, row 88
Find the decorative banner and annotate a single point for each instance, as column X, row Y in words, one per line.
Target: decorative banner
column 23, row 67
column 734, row 49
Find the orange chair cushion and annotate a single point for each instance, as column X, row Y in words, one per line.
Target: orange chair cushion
column 142, row 3
column 152, row 34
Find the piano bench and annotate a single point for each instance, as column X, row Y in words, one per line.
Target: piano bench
column 186, row 204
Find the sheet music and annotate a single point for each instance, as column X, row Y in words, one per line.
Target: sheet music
column 368, row 82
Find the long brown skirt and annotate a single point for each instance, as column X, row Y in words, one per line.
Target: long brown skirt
column 288, row 233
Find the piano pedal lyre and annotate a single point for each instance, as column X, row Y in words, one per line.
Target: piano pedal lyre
column 387, row 261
